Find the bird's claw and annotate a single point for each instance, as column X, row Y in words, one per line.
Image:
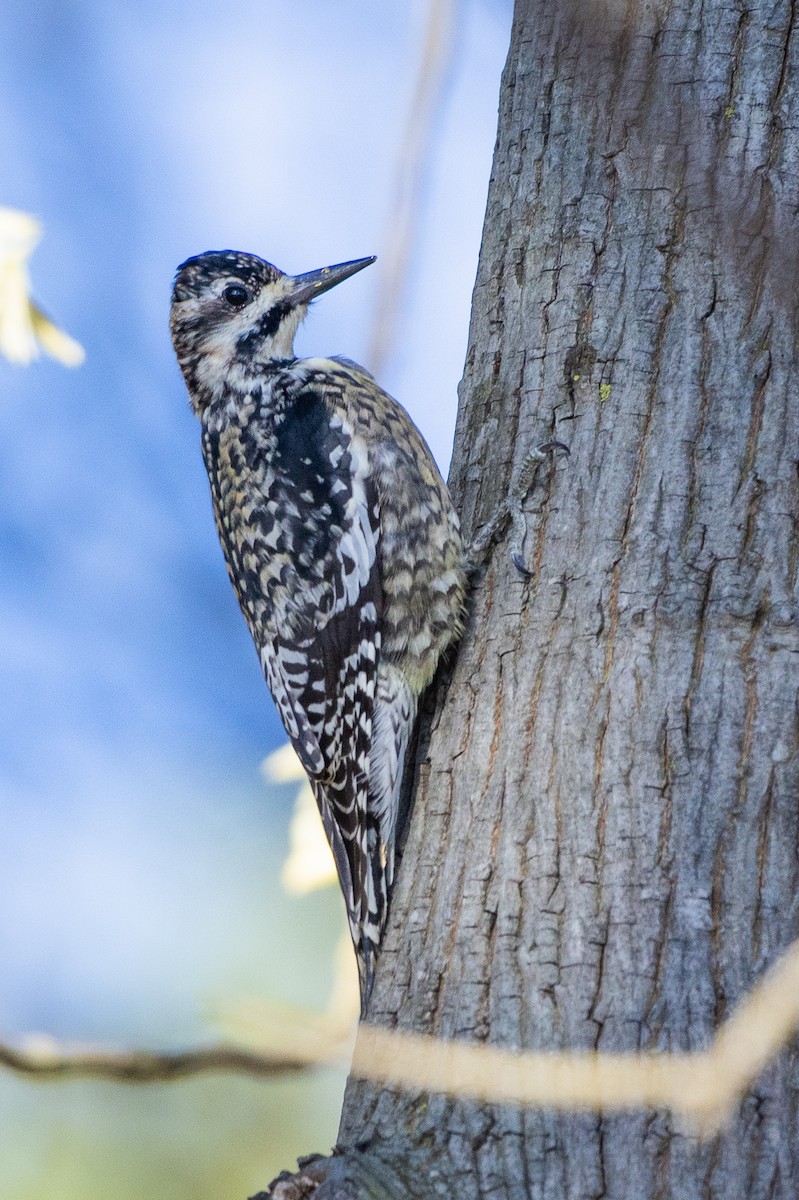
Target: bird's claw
column 510, row 511
column 552, row 447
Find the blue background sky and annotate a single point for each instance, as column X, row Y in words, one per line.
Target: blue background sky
column 139, row 844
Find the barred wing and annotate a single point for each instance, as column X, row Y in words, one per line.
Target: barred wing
column 298, row 519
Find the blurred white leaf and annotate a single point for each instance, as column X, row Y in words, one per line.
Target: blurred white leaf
column 310, row 862
column 24, row 328
column 283, row 766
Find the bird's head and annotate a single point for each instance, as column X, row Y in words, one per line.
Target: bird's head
column 230, row 310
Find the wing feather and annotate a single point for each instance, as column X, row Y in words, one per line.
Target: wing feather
column 299, row 526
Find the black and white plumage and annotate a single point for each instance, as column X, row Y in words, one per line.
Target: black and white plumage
column 341, row 542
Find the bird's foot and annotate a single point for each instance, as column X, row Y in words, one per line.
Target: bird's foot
column 510, row 512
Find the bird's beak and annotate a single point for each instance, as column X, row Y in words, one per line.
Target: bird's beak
column 305, row 288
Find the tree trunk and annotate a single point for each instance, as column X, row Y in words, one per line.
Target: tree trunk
column 603, row 851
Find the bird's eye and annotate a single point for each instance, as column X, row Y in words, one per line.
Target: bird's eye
column 235, row 295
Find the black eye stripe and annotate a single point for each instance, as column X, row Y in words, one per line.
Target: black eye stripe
column 236, row 295
column 266, row 327
column 270, row 322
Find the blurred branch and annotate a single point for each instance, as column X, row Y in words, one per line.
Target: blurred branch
column 403, row 214
column 704, row 1087
column 267, row 1039
column 46, row 1059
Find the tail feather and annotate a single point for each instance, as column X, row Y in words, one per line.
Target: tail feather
column 365, row 858
column 392, row 723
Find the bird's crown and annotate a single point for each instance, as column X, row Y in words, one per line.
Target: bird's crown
column 198, row 274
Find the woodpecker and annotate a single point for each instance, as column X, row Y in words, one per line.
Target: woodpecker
column 341, row 542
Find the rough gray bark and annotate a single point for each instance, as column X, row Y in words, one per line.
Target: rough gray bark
column 604, row 849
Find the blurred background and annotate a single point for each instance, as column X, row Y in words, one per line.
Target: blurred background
column 141, row 845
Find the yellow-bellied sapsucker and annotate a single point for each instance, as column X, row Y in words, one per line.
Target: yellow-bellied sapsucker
column 340, row 540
